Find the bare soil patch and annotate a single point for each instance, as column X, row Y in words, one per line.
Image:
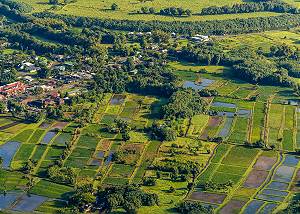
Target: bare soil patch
column 208, row 197
column 264, row 163
column 256, row 178
column 233, row 206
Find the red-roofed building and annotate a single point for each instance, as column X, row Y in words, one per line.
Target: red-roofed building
column 12, row 88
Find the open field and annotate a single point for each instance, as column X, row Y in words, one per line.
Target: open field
column 128, row 9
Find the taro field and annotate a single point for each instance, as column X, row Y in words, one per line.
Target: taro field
column 245, row 149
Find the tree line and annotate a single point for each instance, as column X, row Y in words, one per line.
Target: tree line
column 213, row 27
column 269, row 6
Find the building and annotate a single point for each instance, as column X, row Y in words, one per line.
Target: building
column 12, row 89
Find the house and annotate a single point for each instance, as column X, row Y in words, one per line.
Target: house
column 200, row 38
column 28, row 67
column 12, row 89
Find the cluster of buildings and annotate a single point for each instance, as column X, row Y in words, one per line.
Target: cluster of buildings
column 12, row 89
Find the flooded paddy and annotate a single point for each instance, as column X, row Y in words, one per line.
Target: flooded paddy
column 253, row 207
column 8, row 199
column 204, row 83
column 7, row 152
column 48, row 137
column 226, row 128
column 28, row 203
column 222, row 104
column 117, row 99
column 268, row 208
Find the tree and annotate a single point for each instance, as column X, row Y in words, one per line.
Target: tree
column 114, row 6
column 2, row 107
column 1, row 161
column 125, row 136
column 54, row 2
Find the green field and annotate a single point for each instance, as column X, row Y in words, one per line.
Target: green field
column 128, row 9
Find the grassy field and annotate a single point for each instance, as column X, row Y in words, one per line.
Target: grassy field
column 128, row 9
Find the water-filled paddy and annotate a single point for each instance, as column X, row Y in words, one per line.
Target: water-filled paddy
column 278, row 185
column 117, row 99
column 28, row 203
column 268, row 208
column 199, row 85
column 253, row 207
column 7, row 152
column 8, row 199
column 291, row 160
column 274, row 192
column 226, row 128
column 222, row 104
column 48, row 137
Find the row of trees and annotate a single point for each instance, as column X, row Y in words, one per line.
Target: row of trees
column 173, row 11
column 271, row 6
column 217, row 27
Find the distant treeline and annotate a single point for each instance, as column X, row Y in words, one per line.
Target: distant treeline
column 19, row 6
column 214, row 27
column 269, row 6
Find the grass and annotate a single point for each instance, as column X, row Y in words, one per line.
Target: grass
column 54, row 153
column 52, row 206
column 220, row 178
column 220, row 152
column 206, row 175
column 239, row 133
column 231, row 169
column 39, row 151
column 167, row 200
column 127, row 9
column 10, row 180
column 36, row 136
column 258, row 121
column 289, row 117
column 116, row 181
column 62, row 139
column 287, row 143
column 24, row 152
column 87, row 142
column 121, row 170
column 275, row 115
column 23, row 136
column 51, row 190
column 198, row 123
column 240, row 156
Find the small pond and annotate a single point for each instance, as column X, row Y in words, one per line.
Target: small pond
column 199, row 85
column 7, row 152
